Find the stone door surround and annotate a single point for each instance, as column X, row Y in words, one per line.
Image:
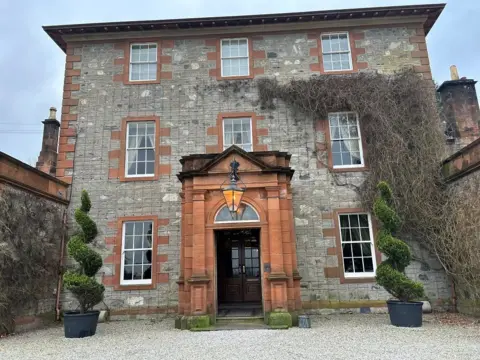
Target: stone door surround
column 267, row 176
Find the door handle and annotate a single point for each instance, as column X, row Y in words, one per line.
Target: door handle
column 243, row 269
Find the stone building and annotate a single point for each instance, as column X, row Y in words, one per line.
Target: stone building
column 153, row 114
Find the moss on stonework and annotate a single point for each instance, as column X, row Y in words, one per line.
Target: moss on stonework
column 279, row 319
column 198, row 322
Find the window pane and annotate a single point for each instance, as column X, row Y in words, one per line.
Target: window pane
column 225, row 48
column 147, row 272
column 353, row 220
column 367, row 249
column 137, row 242
column 343, row 42
column 147, row 241
column 363, row 220
column 344, row 221
column 150, row 168
column 353, row 131
column 357, row 249
column 141, row 155
column 347, row 250
column 132, row 142
column 247, row 147
column 150, row 155
column 346, row 160
column 237, row 126
column 228, row 139
column 356, row 160
column 365, row 233
column 138, row 256
column 141, row 168
column 128, row 242
column 128, row 273
column 355, row 234
column 129, row 228
column 348, row 265
column 137, row 272
column 138, row 229
column 132, row 168
column 368, row 262
column 128, row 257
column 132, row 129
column 346, row 235
column 358, row 265
column 152, row 53
column 326, row 46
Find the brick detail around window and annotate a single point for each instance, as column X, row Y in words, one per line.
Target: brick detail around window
column 257, row 132
column 164, row 61
column 323, row 148
column 68, row 132
column 114, row 244
column 256, row 58
column 116, row 156
column 337, row 272
column 355, row 52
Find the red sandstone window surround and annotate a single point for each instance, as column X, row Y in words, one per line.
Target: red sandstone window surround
column 124, row 243
column 139, row 149
column 344, row 143
column 251, row 135
column 337, row 53
column 141, row 63
column 355, row 245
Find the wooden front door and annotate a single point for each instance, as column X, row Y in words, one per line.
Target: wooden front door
column 238, row 266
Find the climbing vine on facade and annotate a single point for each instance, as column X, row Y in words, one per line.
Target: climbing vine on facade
column 404, row 146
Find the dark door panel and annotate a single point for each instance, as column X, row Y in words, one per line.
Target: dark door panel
column 238, row 266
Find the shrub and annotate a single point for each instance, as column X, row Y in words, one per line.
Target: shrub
column 390, row 273
column 81, row 282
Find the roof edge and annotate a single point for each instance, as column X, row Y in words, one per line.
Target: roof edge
column 432, row 11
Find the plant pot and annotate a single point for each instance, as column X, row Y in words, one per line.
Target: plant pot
column 77, row 325
column 405, row 313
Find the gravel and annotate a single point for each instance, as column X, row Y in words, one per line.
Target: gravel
column 331, row 337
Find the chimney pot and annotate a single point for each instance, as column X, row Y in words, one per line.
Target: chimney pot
column 53, row 113
column 454, row 72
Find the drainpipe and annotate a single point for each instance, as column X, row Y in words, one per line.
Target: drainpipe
column 60, row 273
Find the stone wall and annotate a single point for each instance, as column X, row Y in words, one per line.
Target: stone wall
column 187, row 100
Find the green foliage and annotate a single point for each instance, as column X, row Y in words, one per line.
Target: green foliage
column 86, row 289
column 82, row 283
column 390, row 273
column 397, row 284
column 86, row 204
column 89, row 228
column 89, row 260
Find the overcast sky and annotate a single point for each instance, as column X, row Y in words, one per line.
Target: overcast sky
column 32, row 66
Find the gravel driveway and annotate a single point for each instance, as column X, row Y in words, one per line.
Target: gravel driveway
column 331, row 337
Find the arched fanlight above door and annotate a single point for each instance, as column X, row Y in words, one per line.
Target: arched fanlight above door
column 245, row 213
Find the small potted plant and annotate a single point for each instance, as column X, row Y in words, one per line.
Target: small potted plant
column 391, row 273
column 81, row 281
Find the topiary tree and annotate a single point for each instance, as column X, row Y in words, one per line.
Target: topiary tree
column 81, row 282
column 391, row 272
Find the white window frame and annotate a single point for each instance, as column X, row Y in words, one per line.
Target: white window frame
column 360, row 141
column 372, row 245
column 154, row 149
column 236, row 57
column 223, row 133
column 337, row 52
column 236, row 221
column 122, row 264
column 142, row 62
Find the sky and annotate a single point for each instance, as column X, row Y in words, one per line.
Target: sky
column 32, row 66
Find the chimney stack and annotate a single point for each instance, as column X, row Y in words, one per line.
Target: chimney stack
column 460, row 109
column 47, row 160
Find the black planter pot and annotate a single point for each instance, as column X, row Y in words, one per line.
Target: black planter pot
column 78, row 325
column 405, row 314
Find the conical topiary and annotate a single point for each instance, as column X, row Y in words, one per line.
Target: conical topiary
column 82, row 282
column 391, row 272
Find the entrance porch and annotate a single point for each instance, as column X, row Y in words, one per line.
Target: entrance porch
column 249, row 260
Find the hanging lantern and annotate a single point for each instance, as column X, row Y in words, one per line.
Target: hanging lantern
column 232, row 192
